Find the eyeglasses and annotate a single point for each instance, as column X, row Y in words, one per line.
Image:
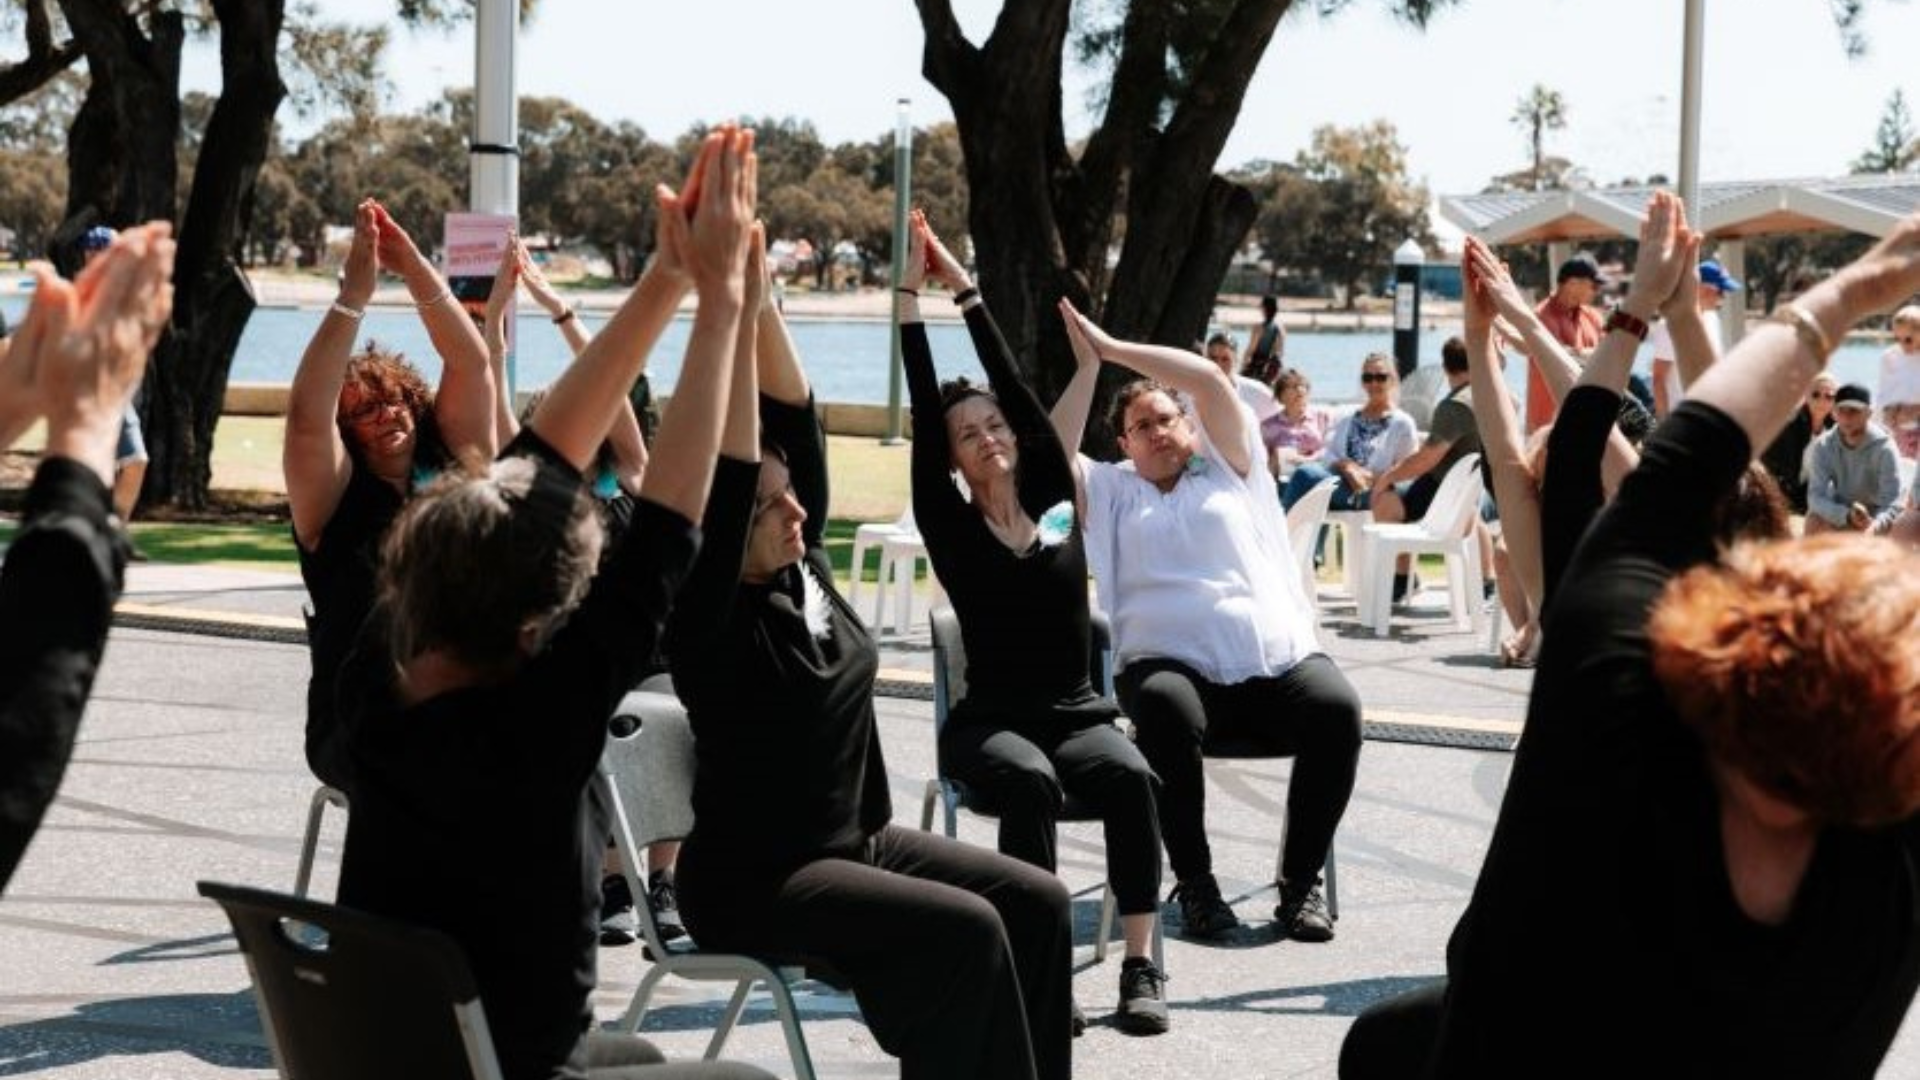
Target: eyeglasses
column 1374, row 376
column 1152, row 425
column 369, row 410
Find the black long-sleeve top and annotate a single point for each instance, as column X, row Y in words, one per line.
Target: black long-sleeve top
column 471, row 811
column 1603, row 937
column 1023, row 615
column 788, row 764
column 57, row 590
column 1785, row 457
column 1572, row 492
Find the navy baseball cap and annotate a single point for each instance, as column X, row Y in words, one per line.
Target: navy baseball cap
column 98, row 238
column 1581, row 266
column 1853, row 395
column 1712, row 273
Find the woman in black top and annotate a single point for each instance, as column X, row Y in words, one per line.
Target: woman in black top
column 959, row 957
column 476, row 702
column 362, row 430
column 1736, row 744
column 1786, row 455
column 76, row 367
column 1012, row 558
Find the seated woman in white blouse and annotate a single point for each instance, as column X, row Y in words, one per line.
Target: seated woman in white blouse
column 1213, row 638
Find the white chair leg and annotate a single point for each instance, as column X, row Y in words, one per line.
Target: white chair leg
column 636, row 1012
column 859, row 566
column 1107, row 915
column 903, row 570
column 1379, row 586
column 879, row 623
column 789, row 1015
column 728, row 1018
column 310, row 843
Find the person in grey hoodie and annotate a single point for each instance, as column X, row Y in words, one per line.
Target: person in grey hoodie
column 1853, row 473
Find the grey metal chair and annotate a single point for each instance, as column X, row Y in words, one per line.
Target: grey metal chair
column 950, row 795
column 346, row 994
column 645, row 781
column 323, row 797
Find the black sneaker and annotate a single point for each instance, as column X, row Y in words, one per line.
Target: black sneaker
column 618, row 924
column 1302, row 915
column 664, row 902
column 1143, row 1002
column 1079, row 1021
column 1202, row 912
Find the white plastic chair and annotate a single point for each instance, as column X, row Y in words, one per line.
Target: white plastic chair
column 1353, row 551
column 900, row 558
column 868, row 537
column 1304, row 519
column 1445, row 530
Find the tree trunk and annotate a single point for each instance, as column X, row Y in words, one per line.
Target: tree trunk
column 212, row 297
column 1042, row 223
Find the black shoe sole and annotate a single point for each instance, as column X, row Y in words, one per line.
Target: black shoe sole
column 1135, row 1023
column 617, row 938
column 1079, row 1022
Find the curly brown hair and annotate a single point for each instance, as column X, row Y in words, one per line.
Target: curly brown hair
column 1797, row 662
column 380, row 374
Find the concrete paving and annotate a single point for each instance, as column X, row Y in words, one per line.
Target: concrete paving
column 189, row 767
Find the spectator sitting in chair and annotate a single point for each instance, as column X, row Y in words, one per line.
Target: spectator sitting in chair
column 1404, row 492
column 1853, row 473
column 1669, row 379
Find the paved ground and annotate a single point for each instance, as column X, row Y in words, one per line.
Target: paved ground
column 189, row 768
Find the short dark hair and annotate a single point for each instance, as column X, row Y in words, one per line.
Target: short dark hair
column 1124, row 398
column 1453, row 356
column 1270, row 305
column 956, row 390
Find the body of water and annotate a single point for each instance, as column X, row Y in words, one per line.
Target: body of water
column 846, row 360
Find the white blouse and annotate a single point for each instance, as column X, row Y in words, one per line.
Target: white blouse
column 1202, row 574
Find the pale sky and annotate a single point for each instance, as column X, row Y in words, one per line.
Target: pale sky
column 1781, row 98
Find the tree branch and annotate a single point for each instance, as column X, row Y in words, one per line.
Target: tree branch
column 949, row 58
column 1138, row 85
column 44, row 58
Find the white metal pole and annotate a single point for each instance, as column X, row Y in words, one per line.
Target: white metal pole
column 1690, row 65
column 902, row 199
column 493, row 153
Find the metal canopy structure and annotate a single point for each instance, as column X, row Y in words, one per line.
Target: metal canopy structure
column 1728, row 210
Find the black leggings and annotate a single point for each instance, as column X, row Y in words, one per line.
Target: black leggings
column 1027, row 777
column 1391, row 1040
column 926, row 930
column 1310, row 713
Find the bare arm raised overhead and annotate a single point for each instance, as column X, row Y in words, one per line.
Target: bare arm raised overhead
column 465, row 402
column 1214, row 397
column 314, row 455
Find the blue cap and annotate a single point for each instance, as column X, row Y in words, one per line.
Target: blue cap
column 98, row 238
column 1712, row 273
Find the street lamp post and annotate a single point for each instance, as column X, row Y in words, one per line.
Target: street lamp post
column 902, row 197
column 493, row 149
column 1407, row 260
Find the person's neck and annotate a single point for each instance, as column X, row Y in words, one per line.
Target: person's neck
column 1852, row 441
column 1767, row 844
column 395, row 473
column 436, row 672
column 1295, row 412
column 1374, row 410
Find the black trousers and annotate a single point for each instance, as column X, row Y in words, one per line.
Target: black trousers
column 926, row 930
column 1026, row 778
column 1392, row 1039
column 628, row 1057
column 1310, row 713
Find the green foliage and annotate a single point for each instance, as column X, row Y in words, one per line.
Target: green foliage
column 1341, row 207
column 1894, row 146
column 1540, row 111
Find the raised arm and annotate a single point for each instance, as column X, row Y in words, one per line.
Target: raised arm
column 543, row 294
column 465, row 402
column 1069, row 413
column 1213, row 394
column 714, row 243
column 493, row 331
column 1764, row 379
column 313, row 456
column 935, row 498
column 1694, row 349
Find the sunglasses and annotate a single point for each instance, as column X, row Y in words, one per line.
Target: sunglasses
column 1821, row 395
column 1374, row 376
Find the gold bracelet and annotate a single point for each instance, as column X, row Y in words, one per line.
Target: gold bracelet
column 440, row 299
column 1806, row 328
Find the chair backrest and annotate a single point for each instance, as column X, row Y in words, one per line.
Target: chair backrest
column 374, row 999
column 1304, row 519
column 1456, row 504
column 649, row 757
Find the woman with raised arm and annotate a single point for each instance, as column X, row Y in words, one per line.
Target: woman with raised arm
column 476, row 701
column 362, row 431
column 1213, row 638
column 792, row 853
column 74, row 361
column 1011, row 556
column 1736, row 737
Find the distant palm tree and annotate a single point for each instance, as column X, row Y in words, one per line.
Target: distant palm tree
column 1540, row 111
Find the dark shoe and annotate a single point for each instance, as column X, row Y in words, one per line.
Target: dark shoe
column 1202, row 912
column 1079, row 1021
column 1143, row 1000
column 618, row 924
column 664, row 902
column 1303, row 914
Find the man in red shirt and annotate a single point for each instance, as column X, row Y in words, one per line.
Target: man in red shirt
column 1569, row 315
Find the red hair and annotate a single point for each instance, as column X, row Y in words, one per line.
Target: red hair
column 1798, row 663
